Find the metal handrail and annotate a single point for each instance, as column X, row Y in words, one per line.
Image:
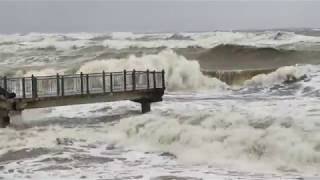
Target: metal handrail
column 82, row 84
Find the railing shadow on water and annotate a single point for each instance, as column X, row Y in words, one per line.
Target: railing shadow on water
column 83, row 84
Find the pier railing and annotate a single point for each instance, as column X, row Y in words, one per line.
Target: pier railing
column 82, row 84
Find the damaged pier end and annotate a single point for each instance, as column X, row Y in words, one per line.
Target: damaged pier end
column 17, row 94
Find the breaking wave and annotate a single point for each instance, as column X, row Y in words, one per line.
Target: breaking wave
column 181, row 74
column 287, row 74
column 185, row 74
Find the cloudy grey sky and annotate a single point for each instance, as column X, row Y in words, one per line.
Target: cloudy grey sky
column 154, row 16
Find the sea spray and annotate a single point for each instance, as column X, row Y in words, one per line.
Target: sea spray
column 281, row 75
column 181, row 74
column 41, row 72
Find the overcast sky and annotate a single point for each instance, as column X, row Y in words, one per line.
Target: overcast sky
column 154, row 16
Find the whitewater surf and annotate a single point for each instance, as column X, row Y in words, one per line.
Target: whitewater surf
column 264, row 125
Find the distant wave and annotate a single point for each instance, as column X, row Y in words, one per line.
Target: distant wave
column 230, row 57
column 219, row 54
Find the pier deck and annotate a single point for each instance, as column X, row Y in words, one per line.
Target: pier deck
column 143, row 87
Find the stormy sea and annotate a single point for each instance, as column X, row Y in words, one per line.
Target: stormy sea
column 238, row 105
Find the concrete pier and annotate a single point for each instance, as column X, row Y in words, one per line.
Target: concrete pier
column 144, row 87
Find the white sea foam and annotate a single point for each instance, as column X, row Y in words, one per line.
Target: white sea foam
column 261, row 136
column 224, row 129
column 212, row 39
column 181, row 74
column 56, row 43
column 120, row 40
column 41, row 72
column 125, row 35
column 45, row 137
column 281, row 75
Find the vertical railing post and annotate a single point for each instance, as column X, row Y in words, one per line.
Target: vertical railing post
column 133, row 80
column 5, row 86
column 154, row 80
column 87, row 82
column 58, row 84
column 163, row 79
column 23, row 87
column 148, row 79
column 81, row 83
column 111, row 83
column 62, row 85
column 34, row 86
column 103, row 82
column 125, row 80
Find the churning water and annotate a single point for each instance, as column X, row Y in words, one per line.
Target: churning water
column 265, row 127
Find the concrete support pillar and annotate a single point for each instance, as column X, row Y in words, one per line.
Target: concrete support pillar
column 4, row 118
column 145, row 106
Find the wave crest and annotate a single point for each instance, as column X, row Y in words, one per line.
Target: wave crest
column 181, row 74
column 282, row 75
